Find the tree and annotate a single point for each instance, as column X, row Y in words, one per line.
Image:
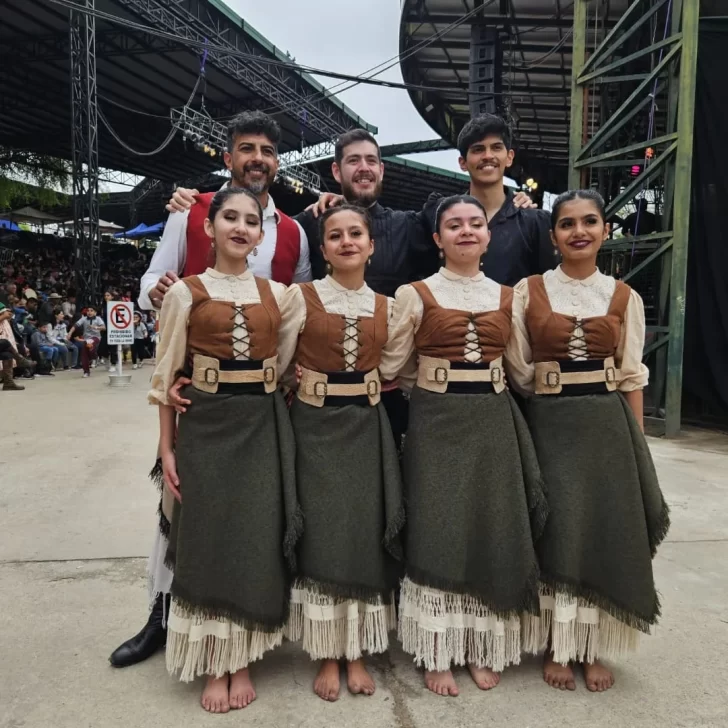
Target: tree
column 27, row 177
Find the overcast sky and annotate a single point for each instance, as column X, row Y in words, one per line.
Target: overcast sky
column 348, row 36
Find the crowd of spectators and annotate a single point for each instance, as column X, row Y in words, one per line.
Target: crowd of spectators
column 44, row 331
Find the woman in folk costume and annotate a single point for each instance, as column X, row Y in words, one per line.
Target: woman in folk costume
column 347, row 469
column 472, row 483
column 232, row 466
column 577, row 347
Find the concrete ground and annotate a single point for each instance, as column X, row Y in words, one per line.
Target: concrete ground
column 76, row 522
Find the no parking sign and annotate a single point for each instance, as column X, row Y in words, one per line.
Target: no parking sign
column 120, row 323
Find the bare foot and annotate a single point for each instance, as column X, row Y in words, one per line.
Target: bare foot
column 359, row 681
column 598, row 678
column 242, row 692
column 328, row 681
column 484, row 677
column 556, row 675
column 441, row 683
column 215, row 696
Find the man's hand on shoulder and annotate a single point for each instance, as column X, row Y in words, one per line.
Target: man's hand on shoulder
column 182, row 200
column 327, row 200
column 156, row 295
column 523, row 201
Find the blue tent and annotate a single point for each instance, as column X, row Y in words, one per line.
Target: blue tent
column 8, row 225
column 141, row 231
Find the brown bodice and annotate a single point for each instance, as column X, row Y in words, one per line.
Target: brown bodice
column 443, row 331
column 321, row 343
column 551, row 333
column 211, row 323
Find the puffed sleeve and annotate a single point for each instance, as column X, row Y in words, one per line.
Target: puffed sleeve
column 293, row 319
column 398, row 355
column 172, row 344
column 519, row 357
column 635, row 374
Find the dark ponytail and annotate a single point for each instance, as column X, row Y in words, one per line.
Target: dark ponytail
column 447, row 202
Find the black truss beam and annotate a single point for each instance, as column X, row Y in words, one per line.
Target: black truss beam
column 280, row 86
column 523, row 22
column 464, row 65
column 85, row 150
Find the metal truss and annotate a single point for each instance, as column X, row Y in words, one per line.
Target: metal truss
column 664, row 72
column 431, row 145
column 278, row 86
column 85, row 156
column 307, row 155
column 115, row 177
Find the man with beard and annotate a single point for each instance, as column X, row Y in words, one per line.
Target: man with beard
column 252, row 158
column 404, row 249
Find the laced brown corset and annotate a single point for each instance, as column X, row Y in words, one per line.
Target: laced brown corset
column 443, row 331
column 321, row 343
column 552, row 334
column 211, row 328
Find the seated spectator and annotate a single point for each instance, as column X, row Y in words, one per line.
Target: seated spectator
column 9, row 352
column 39, row 341
column 86, row 335
column 69, row 305
column 59, row 336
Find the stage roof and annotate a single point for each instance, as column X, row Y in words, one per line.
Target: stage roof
column 141, row 76
column 536, row 77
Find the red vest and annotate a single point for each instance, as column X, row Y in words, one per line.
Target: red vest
column 198, row 258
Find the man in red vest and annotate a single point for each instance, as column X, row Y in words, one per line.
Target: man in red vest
column 252, row 159
column 283, row 256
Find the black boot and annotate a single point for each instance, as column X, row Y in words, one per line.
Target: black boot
column 148, row 641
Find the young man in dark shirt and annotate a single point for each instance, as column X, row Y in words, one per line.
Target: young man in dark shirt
column 520, row 243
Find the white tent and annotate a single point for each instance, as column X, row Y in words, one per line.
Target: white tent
column 104, row 226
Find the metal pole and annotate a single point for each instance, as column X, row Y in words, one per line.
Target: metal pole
column 85, row 153
column 576, row 126
column 681, row 215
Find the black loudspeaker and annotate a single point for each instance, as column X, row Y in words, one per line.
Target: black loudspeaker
column 485, row 72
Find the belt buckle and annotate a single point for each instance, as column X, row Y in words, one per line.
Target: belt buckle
column 495, row 375
column 372, row 388
column 320, row 389
column 553, row 379
column 269, row 375
column 212, row 381
column 441, row 375
column 610, row 375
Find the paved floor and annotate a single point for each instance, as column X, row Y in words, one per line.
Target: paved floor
column 76, row 520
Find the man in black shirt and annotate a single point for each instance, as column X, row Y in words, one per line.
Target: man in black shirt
column 520, row 242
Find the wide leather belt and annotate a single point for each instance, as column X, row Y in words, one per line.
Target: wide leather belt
column 209, row 373
column 315, row 387
column 550, row 379
column 435, row 375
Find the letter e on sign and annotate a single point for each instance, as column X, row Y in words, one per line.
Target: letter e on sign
column 119, row 323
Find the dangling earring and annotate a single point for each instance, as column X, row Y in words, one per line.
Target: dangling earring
column 369, row 260
column 481, row 262
column 329, row 269
column 441, row 254
column 212, row 243
column 255, row 250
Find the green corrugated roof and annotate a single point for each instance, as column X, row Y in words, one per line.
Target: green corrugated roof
column 280, row 55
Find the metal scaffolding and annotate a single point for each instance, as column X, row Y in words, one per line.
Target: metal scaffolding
column 85, row 156
column 646, row 64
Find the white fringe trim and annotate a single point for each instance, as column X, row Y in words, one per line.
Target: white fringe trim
column 442, row 629
column 198, row 646
column 577, row 631
column 159, row 577
column 332, row 628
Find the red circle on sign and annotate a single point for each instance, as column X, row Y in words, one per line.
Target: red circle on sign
column 120, row 317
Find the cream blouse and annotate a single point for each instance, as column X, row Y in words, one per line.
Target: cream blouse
column 174, row 318
column 581, row 298
column 336, row 300
column 450, row 290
